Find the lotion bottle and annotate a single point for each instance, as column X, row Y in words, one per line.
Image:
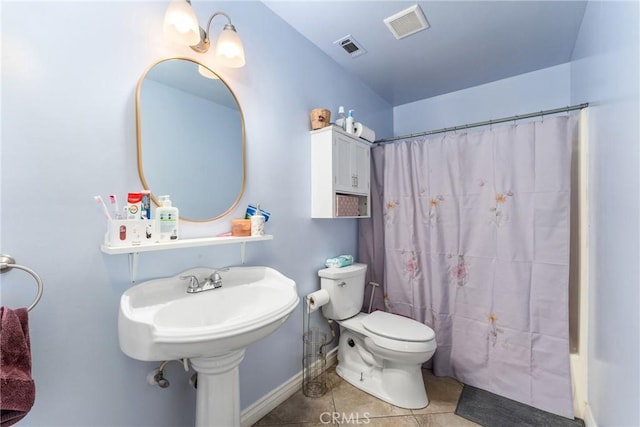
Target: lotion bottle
column 167, row 217
column 349, row 122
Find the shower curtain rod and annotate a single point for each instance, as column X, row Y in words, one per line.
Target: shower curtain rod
column 485, row 123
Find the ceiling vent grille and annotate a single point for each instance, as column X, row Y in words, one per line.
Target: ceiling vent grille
column 351, row 46
column 407, row 22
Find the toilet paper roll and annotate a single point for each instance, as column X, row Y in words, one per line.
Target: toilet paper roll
column 364, row 132
column 317, row 299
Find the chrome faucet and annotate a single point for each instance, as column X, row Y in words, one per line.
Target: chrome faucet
column 214, row 281
column 194, row 284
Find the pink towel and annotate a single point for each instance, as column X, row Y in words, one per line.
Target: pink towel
column 17, row 390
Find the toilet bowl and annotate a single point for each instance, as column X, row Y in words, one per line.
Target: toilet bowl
column 380, row 353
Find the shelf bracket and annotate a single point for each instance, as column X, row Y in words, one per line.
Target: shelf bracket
column 133, row 266
column 243, row 249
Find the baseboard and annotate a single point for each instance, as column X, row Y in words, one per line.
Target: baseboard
column 275, row 397
column 589, row 420
column 270, row 401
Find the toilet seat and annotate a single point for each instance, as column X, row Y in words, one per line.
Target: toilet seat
column 357, row 324
column 397, row 327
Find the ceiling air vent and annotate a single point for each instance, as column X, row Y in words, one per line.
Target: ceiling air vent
column 407, row 22
column 351, row 46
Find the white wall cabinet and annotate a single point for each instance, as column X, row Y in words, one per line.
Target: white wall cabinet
column 340, row 174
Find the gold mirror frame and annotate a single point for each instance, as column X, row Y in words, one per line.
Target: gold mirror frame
column 139, row 139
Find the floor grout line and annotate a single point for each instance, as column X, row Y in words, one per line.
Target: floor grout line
column 440, row 393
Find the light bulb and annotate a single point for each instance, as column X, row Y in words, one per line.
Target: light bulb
column 205, row 72
column 229, row 48
column 181, row 24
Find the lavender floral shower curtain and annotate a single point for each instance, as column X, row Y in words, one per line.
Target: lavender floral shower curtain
column 470, row 235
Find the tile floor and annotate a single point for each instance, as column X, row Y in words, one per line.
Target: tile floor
column 346, row 405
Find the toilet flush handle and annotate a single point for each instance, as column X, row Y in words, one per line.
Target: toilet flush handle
column 342, row 284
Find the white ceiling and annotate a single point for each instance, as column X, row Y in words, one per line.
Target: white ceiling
column 469, row 43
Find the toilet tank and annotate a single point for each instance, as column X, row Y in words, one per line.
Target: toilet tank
column 345, row 286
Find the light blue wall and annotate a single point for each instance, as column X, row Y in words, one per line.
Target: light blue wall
column 526, row 93
column 69, row 74
column 605, row 72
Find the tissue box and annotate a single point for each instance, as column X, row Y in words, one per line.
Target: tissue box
column 240, row 227
column 346, row 205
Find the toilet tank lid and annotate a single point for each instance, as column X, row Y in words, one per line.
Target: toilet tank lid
column 397, row 327
column 342, row 272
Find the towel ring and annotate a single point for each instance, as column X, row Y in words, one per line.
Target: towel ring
column 7, row 262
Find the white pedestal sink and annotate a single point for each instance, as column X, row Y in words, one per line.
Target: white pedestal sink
column 160, row 321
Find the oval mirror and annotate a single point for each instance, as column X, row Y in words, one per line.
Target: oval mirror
column 191, row 142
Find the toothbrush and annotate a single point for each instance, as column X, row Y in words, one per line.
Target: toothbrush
column 114, row 205
column 102, row 206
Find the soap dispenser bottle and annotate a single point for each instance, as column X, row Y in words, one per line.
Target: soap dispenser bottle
column 167, row 217
column 349, row 122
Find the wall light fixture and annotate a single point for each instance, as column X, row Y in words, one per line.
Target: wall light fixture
column 181, row 26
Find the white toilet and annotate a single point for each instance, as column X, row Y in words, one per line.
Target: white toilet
column 380, row 353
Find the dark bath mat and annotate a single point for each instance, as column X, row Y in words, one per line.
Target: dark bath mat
column 491, row 410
